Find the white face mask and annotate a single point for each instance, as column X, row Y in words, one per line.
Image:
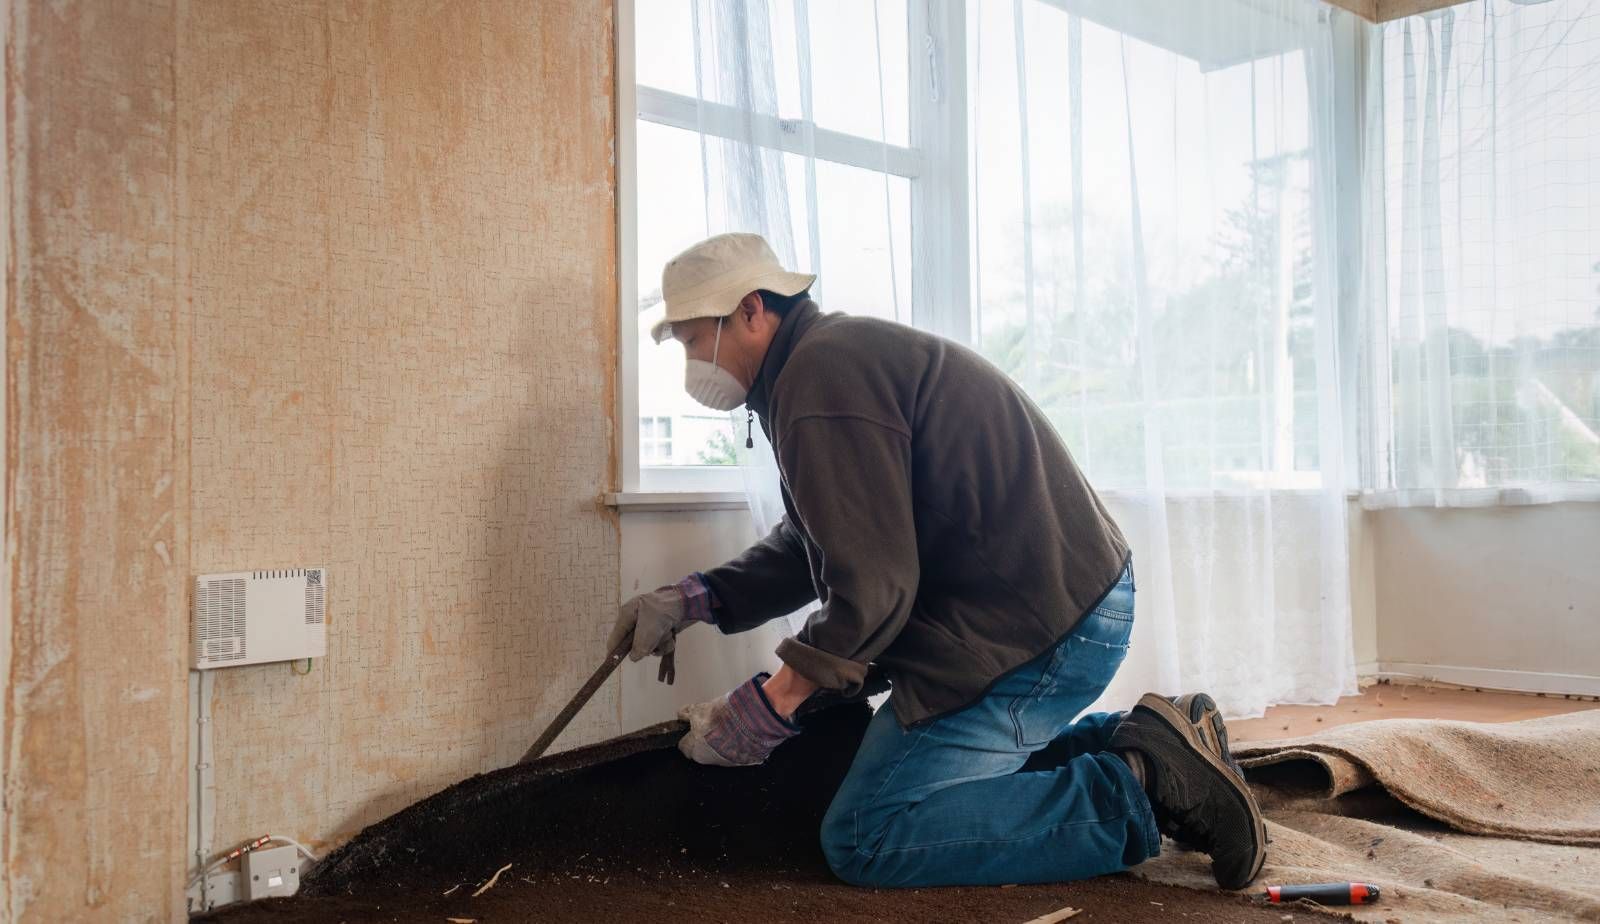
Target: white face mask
column 709, row 383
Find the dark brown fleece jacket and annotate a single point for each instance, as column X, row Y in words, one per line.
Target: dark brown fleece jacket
column 931, row 509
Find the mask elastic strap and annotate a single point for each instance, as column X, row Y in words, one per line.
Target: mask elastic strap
column 716, row 344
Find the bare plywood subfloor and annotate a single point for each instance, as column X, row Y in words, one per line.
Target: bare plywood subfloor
column 1396, row 701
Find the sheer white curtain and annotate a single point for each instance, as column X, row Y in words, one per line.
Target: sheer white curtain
column 740, row 134
column 1155, row 241
column 1482, row 317
column 735, row 49
column 1152, row 249
column 759, row 105
column 778, row 135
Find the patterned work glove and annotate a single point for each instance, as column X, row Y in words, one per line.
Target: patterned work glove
column 738, row 730
column 656, row 618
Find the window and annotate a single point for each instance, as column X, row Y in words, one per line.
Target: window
column 1154, row 217
column 903, row 180
column 1147, row 243
column 1484, row 241
column 811, row 99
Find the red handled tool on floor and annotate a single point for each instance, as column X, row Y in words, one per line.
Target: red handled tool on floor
column 1325, row 893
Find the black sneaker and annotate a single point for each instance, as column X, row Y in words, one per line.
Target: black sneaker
column 1193, row 790
column 1206, row 718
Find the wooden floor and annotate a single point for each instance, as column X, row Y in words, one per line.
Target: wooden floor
column 1394, row 701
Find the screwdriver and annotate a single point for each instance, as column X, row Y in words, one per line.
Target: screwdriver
column 1325, row 893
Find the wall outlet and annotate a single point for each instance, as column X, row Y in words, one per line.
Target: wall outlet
column 270, row 871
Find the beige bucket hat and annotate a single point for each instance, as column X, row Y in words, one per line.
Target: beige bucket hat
column 709, row 279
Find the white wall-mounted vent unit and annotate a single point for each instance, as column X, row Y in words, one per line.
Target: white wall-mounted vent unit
column 253, row 617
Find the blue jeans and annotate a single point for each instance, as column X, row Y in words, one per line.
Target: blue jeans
column 950, row 802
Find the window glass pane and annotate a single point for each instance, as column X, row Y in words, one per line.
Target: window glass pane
column 858, row 219
column 1491, row 137
column 655, row 440
column 688, row 189
column 1166, row 313
column 846, row 47
column 672, row 200
column 849, row 47
column 663, row 45
column 674, row 428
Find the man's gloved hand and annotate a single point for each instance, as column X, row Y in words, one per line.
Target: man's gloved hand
column 653, row 618
column 738, row 730
column 656, row 618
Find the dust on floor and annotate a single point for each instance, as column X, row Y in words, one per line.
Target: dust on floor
column 1385, row 700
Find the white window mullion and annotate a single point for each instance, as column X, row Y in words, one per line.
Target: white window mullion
column 723, row 121
column 940, row 266
column 808, row 135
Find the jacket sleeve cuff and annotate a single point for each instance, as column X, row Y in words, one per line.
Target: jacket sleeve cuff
column 699, row 602
column 830, row 672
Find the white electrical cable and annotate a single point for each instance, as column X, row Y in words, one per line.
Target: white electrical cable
column 229, row 856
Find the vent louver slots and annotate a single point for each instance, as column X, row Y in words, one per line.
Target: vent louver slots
column 316, row 608
column 219, row 620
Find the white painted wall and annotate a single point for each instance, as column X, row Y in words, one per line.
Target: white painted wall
column 1363, row 591
column 660, row 548
column 1491, row 589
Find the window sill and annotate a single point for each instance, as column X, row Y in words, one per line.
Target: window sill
column 669, row 501
column 1508, row 496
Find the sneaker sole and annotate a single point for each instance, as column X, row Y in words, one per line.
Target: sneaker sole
column 1168, row 712
column 1203, row 712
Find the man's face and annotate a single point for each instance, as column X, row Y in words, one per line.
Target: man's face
column 699, row 338
column 745, row 336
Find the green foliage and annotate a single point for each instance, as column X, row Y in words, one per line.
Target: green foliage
column 1208, row 355
column 1519, row 411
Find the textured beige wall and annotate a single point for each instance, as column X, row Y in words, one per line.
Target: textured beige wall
column 297, row 283
column 400, row 238
column 94, row 704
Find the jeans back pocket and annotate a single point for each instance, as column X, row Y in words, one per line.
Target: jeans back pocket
column 1080, row 669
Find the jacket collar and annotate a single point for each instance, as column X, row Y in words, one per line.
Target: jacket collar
column 790, row 331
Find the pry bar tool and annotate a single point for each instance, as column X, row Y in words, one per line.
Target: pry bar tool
column 577, row 702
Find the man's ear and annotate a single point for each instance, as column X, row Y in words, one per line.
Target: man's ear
column 750, row 306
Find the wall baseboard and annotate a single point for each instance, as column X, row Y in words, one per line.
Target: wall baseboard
column 1487, row 678
column 1366, row 669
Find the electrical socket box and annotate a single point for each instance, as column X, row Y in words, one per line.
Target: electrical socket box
column 270, row 871
column 253, row 617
